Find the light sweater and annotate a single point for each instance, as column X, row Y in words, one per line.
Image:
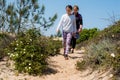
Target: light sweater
column 68, row 23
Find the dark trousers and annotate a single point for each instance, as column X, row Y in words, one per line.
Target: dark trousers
column 73, row 42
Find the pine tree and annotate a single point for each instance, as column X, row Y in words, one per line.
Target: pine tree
column 2, row 15
column 23, row 14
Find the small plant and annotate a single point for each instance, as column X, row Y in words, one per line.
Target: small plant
column 81, row 65
column 116, row 65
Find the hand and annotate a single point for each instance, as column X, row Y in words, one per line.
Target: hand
column 57, row 30
column 80, row 30
column 73, row 34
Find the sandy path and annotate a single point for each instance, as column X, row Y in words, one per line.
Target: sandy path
column 60, row 69
column 66, row 69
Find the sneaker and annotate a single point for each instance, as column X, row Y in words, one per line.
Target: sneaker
column 63, row 54
column 72, row 51
column 69, row 49
column 66, row 57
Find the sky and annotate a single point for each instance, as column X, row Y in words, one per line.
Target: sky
column 94, row 12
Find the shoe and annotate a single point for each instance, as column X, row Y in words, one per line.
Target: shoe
column 63, row 54
column 72, row 51
column 66, row 57
column 69, row 49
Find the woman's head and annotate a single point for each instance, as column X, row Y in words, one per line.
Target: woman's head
column 76, row 9
column 68, row 9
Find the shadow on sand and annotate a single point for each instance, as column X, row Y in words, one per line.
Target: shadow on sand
column 49, row 71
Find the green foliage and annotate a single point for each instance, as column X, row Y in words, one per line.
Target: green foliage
column 31, row 51
column 81, row 65
column 112, row 29
column 103, row 51
column 5, row 40
column 2, row 13
column 102, row 55
column 87, row 34
column 54, row 47
column 25, row 13
column 116, row 65
column 99, row 53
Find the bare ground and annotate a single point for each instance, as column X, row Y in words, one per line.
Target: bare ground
column 60, row 69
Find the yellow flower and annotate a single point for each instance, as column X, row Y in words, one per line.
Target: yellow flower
column 29, row 64
column 54, row 50
column 30, row 39
column 29, row 68
column 41, row 54
column 8, row 53
column 113, row 35
column 15, row 48
column 16, row 54
column 31, row 55
column 17, row 44
column 21, row 42
column 113, row 55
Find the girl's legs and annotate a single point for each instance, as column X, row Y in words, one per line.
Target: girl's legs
column 66, row 42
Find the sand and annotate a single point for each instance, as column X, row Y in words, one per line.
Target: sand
column 60, row 69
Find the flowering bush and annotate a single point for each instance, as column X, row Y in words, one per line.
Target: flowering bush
column 103, row 51
column 31, row 51
column 101, row 55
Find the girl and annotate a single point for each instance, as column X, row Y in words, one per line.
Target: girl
column 68, row 24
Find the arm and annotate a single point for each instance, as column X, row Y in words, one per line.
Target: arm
column 81, row 24
column 74, row 24
column 80, row 29
column 60, row 24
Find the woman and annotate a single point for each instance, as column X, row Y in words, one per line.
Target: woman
column 79, row 25
column 68, row 24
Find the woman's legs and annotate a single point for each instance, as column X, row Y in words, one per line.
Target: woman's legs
column 73, row 44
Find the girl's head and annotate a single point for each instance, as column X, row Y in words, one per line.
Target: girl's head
column 68, row 9
column 76, row 9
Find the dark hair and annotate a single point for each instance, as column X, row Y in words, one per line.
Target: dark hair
column 69, row 6
column 76, row 7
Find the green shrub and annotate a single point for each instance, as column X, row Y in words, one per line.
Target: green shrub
column 31, row 51
column 5, row 40
column 103, row 51
column 116, row 65
column 87, row 34
column 54, row 47
column 101, row 55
